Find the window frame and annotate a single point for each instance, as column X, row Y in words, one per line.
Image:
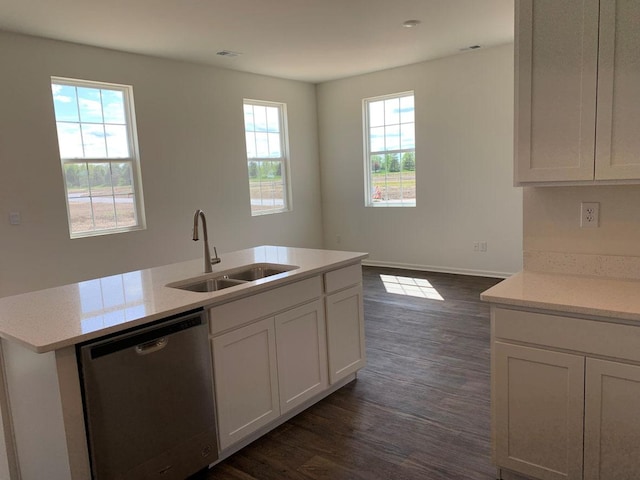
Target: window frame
column 368, row 190
column 133, row 159
column 285, row 168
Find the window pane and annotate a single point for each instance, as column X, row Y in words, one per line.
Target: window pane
column 249, row 124
column 408, row 162
column 117, row 142
column 77, row 180
column 377, row 139
column 70, row 140
column 251, row 144
column 93, row 141
column 122, row 178
column 407, row 136
column 90, row 105
column 104, row 215
column 273, row 123
column 100, row 179
column 392, row 111
column 379, row 188
column 80, row 214
column 262, row 145
column 274, row 145
column 125, row 210
column 377, row 164
column 113, row 107
column 376, row 114
column 260, row 118
column 392, row 137
column 406, row 109
column 65, row 103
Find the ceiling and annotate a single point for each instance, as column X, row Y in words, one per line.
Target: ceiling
column 308, row 40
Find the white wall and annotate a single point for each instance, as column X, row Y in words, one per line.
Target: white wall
column 190, row 130
column 552, row 220
column 464, row 156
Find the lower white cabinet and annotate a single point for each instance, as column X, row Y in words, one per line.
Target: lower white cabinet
column 559, row 411
column 266, row 368
column 301, row 348
column 345, row 333
column 279, row 349
column 539, row 396
column 612, row 421
column 246, row 380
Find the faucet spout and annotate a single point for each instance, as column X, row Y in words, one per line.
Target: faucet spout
column 208, row 261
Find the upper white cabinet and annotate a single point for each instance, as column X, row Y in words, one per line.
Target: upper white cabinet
column 577, row 91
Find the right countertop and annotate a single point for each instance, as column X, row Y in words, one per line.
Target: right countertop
column 581, row 294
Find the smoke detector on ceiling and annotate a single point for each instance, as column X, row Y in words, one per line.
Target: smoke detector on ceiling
column 411, row 23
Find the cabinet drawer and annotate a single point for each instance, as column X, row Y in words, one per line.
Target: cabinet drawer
column 580, row 335
column 239, row 312
column 342, row 278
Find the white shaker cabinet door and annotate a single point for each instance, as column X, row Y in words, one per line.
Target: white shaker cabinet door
column 246, row 380
column 612, row 421
column 538, row 411
column 345, row 333
column 301, row 344
column 618, row 127
column 555, row 80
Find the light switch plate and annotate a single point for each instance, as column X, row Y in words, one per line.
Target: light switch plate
column 14, row 218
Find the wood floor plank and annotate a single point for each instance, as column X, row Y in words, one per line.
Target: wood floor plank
column 420, row 409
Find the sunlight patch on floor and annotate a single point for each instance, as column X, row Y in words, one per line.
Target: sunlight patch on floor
column 413, row 287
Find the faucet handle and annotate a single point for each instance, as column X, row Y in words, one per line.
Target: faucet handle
column 215, row 259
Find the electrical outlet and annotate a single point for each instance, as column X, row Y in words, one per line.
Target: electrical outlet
column 589, row 214
column 338, row 239
column 476, row 246
column 483, row 246
column 14, row 218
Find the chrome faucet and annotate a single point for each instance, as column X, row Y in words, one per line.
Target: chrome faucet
column 208, row 261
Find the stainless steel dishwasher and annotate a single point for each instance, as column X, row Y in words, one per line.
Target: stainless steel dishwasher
column 148, row 398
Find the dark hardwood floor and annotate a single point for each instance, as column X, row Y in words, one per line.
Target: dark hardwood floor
column 418, row 411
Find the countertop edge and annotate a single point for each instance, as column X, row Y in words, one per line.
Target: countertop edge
column 188, row 300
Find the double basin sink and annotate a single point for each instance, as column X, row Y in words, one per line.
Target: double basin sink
column 232, row 278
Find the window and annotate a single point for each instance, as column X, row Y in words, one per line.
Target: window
column 265, row 131
column 99, row 156
column 390, row 157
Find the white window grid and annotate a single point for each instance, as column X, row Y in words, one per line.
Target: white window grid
column 369, row 153
column 263, row 204
column 87, row 161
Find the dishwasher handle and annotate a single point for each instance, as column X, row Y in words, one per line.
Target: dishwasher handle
column 152, row 346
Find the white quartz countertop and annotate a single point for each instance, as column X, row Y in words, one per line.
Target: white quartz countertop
column 586, row 295
column 54, row 318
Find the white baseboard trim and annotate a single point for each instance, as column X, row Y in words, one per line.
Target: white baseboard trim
column 440, row 269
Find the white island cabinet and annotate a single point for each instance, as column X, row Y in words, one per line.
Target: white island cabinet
column 270, row 344
column 565, row 378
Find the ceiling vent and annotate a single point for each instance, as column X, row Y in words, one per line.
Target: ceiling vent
column 227, row 53
column 470, row 47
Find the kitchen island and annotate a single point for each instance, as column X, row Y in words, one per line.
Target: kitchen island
column 565, row 374
column 316, row 304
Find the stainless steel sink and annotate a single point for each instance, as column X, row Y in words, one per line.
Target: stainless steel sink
column 210, row 285
column 232, row 278
column 258, row 271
